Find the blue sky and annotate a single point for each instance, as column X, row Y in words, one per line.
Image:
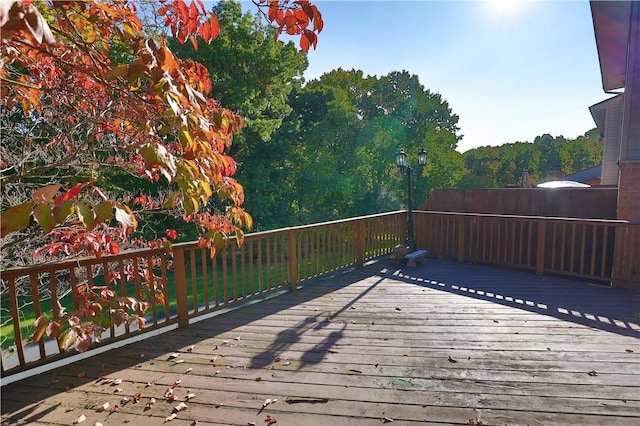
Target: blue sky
column 511, row 70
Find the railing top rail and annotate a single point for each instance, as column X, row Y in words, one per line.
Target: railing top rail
column 548, row 218
column 127, row 254
column 252, row 235
column 79, row 262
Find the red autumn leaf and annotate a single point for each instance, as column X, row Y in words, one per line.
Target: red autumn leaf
column 46, row 193
column 70, row 194
column 304, row 42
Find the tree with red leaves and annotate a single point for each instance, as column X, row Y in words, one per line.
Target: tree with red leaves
column 85, row 92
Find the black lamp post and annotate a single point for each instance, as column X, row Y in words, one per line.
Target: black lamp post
column 401, row 162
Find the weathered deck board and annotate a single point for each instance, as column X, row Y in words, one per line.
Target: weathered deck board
column 373, row 344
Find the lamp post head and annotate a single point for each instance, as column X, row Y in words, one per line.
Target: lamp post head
column 401, row 159
column 422, row 157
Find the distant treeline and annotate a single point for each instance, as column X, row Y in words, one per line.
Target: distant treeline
column 544, row 158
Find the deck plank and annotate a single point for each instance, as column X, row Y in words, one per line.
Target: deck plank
column 442, row 343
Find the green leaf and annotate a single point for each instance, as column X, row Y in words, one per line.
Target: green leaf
column 67, row 339
column 15, row 219
column 44, row 216
column 85, row 213
column 62, row 210
column 104, row 211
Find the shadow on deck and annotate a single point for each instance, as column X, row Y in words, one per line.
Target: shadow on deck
column 442, row 343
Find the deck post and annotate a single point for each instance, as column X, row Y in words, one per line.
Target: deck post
column 361, row 242
column 292, row 261
column 541, row 243
column 180, row 276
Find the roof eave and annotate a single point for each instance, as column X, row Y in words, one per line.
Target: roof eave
column 611, row 23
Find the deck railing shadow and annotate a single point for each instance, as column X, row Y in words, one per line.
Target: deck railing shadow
column 605, row 308
column 291, row 335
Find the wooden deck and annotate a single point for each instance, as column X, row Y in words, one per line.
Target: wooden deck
column 441, row 343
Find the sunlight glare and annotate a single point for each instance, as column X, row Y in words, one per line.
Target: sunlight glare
column 505, row 6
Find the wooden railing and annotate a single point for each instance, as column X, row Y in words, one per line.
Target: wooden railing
column 547, row 245
column 196, row 284
column 280, row 260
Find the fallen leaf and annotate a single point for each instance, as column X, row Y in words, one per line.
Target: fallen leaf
column 169, row 395
column 270, row 420
column 451, row 359
column 268, row 401
column 149, row 404
column 180, row 407
column 592, row 373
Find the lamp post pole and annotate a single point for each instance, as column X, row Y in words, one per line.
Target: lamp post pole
column 401, row 162
column 410, row 240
